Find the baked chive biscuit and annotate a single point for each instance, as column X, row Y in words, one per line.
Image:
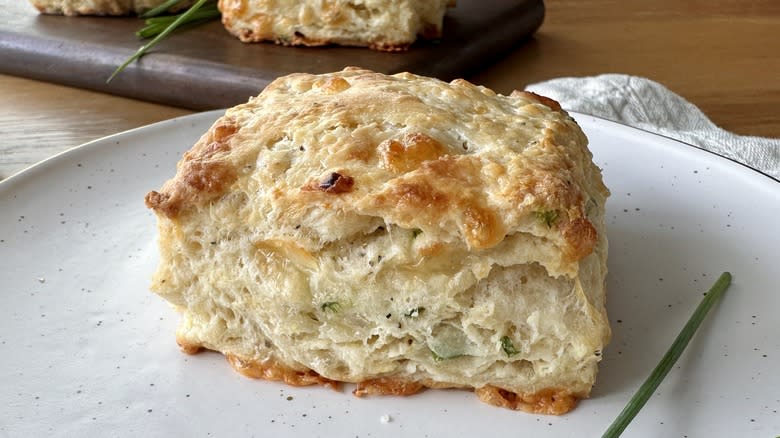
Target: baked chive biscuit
column 397, row 232
column 97, row 7
column 380, row 24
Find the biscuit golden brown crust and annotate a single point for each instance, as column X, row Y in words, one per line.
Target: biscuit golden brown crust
column 398, row 232
column 272, row 370
column 207, row 171
column 203, row 174
column 550, row 401
column 387, row 386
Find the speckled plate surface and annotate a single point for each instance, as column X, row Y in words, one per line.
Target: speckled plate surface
column 87, row 351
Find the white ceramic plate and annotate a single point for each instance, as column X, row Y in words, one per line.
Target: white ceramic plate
column 87, row 350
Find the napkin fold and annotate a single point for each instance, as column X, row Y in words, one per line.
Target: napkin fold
column 650, row 106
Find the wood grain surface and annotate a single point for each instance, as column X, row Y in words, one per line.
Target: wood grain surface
column 721, row 55
column 38, row 120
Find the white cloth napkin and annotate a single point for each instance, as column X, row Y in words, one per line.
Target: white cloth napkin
column 648, row 105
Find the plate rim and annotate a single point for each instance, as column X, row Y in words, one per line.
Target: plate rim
column 46, row 162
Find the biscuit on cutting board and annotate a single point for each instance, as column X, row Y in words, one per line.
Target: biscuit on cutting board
column 96, row 7
column 389, row 25
column 379, row 24
column 396, row 232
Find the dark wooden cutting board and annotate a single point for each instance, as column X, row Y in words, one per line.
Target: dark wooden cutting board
column 206, row 68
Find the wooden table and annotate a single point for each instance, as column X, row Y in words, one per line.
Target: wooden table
column 722, row 55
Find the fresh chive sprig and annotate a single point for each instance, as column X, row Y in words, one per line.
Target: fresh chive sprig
column 178, row 20
column 206, row 11
column 151, row 31
column 156, row 25
column 662, row 369
column 164, row 6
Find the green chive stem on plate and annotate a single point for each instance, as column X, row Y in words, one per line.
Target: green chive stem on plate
column 662, row 369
